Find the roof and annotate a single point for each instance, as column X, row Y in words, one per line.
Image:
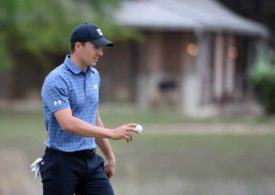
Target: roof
column 206, row 15
column 146, row 14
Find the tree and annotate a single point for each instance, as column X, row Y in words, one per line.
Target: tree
column 41, row 27
column 263, row 79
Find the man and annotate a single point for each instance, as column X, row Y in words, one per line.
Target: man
column 70, row 105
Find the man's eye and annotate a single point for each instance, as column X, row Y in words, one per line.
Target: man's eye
column 97, row 47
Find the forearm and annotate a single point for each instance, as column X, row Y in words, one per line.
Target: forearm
column 105, row 147
column 103, row 143
column 70, row 123
column 82, row 128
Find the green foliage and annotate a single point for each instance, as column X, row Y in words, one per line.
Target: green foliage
column 5, row 60
column 43, row 27
column 263, row 79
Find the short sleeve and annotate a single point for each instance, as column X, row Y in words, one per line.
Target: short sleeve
column 55, row 94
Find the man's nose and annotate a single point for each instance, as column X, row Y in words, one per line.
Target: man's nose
column 100, row 52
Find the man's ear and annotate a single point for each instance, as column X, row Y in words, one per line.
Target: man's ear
column 77, row 46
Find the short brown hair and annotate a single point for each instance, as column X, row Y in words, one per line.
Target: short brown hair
column 72, row 46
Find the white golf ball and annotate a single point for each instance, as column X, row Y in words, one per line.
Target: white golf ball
column 139, row 128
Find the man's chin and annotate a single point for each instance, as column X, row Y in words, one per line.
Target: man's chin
column 93, row 64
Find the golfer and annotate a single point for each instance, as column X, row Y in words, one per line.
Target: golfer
column 70, row 99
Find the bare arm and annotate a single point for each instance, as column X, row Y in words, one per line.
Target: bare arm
column 106, row 148
column 103, row 143
column 70, row 123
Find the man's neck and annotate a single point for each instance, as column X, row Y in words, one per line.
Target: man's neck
column 78, row 63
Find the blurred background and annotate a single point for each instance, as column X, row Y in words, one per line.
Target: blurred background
column 198, row 75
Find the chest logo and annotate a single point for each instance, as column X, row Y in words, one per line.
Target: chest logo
column 57, row 102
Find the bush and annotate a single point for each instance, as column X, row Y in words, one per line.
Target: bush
column 263, row 79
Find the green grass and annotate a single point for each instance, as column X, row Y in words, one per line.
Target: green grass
column 152, row 157
column 22, row 131
column 116, row 114
column 201, row 156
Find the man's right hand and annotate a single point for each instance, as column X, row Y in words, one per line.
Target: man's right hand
column 124, row 132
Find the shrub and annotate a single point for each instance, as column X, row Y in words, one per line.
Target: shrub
column 263, row 79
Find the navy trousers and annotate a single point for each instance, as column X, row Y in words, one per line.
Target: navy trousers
column 78, row 173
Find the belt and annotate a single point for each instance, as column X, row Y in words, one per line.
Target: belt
column 80, row 153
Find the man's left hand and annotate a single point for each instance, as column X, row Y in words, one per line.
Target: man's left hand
column 109, row 168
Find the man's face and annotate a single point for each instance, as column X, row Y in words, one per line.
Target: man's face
column 89, row 54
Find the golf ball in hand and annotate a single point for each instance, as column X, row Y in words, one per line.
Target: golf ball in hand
column 139, row 128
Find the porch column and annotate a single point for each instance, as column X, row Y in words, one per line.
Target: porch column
column 202, row 66
column 218, row 67
column 230, row 66
column 188, row 79
column 149, row 78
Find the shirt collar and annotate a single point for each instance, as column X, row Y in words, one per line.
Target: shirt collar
column 72, row 67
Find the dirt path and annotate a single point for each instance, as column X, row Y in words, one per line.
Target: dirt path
column 15, row 178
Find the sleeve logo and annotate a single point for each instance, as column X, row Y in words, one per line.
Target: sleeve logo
column 57, row 102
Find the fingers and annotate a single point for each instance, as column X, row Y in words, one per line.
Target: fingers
column 109, row 170
column 125, row 132
column 128, row 137
column 109, row 174
column 131, row 127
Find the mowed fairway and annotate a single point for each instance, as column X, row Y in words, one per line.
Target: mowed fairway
column 168, row 158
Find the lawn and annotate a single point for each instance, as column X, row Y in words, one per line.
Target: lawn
column 174, row 164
